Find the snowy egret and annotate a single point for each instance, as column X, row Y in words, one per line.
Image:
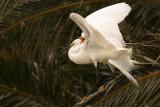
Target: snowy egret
column 101, row 40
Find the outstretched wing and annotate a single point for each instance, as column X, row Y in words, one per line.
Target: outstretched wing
column 92, row 36
column 106, row 22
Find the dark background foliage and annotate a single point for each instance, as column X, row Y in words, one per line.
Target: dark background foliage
column 34, row 67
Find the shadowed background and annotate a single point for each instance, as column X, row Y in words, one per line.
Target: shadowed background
column 34, row 67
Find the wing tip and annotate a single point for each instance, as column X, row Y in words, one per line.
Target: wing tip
column 122, row 10
column 76, row 16
column 124, row 3
column 72, row 14
column 127, row 6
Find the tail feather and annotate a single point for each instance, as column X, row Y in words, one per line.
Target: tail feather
column 130, row 77
column 125, row 65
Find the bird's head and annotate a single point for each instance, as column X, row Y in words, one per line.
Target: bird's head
column 76, row 45
column 77, row 42
column 76, row 49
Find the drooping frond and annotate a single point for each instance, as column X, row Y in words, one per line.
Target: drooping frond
column 147, row 94
column 13, row 97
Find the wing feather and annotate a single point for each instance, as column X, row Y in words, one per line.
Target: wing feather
column 93, row 37
column 106, row 22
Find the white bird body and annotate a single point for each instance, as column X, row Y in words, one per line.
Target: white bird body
column 79, row 51
column 101, row 40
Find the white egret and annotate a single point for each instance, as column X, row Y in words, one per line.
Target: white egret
column 101, row 40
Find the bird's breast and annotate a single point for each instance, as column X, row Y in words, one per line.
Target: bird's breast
column 79, row 57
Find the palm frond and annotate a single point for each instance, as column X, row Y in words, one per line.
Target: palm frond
column 144, row 28
column 147, row 94
column 32, row 51
column 34, row 9
column 7, row 6
column 114, row 93
column 34, row 40
column 13, row 97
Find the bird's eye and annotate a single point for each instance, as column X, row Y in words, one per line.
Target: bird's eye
column 71, row 44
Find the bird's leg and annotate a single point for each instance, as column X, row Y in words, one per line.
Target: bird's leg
column 97, row 75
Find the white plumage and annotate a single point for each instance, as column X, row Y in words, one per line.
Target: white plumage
column 106, row 21
column 101, row 40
